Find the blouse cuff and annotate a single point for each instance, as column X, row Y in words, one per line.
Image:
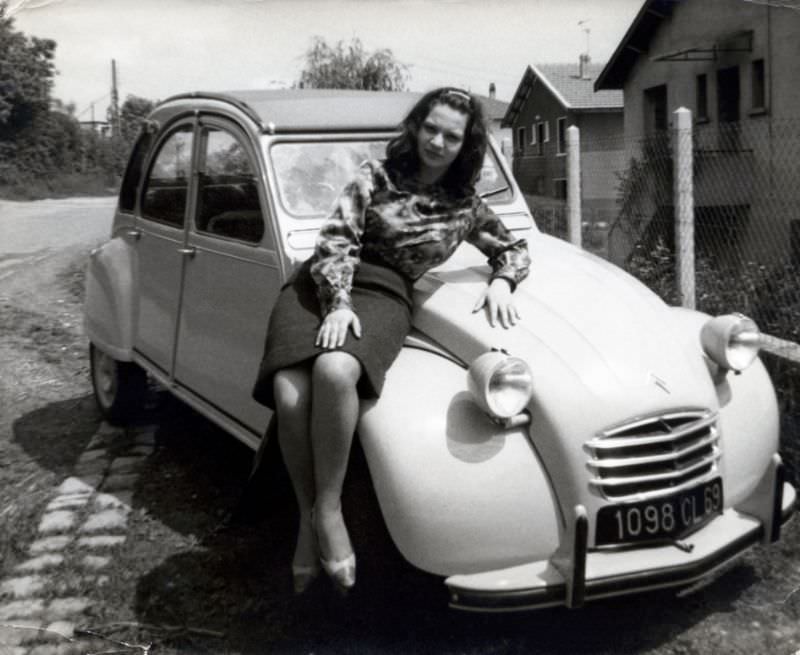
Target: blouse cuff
column 508, row 277
column 339, row 299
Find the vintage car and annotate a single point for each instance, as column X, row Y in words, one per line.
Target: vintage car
column 607, row 444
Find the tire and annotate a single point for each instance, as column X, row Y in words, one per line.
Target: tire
column 120, row 388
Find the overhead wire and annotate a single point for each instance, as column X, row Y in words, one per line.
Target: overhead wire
column 89, row 106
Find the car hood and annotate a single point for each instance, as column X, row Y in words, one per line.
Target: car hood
column 579, row 313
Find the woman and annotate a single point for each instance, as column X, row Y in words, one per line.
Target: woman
column 398, row 219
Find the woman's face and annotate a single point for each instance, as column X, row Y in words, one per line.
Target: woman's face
column 440, row 137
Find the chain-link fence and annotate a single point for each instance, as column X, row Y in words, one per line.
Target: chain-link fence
column 745, row 219
column 739, row 235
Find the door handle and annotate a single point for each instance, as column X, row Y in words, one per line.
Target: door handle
column 133, row 233
column 189, row 252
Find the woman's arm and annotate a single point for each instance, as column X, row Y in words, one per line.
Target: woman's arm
column 509, row 259
column 336, row 259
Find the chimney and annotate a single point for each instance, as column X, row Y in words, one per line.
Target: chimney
column 583, row 63
column 492, row 90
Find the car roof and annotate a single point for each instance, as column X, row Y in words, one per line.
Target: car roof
column 311, row 110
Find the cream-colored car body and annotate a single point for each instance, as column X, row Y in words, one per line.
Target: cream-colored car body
column 505, row 514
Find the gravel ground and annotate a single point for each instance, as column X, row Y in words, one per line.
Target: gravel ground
column 176, row 581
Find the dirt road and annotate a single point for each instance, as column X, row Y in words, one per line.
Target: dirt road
column 109, row 538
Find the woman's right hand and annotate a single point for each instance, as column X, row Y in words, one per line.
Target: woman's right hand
column 333, row 331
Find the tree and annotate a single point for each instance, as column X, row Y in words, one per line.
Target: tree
column 350, row 66
column 26, row 77
column 131, row 115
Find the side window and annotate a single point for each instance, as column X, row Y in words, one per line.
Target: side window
column 228, row 203
column 542, row 136
column 562, row 135
column 757, row 85
column 702, row 97
column 133, row 172
column 728, row 94
column 521, row 138
column 167, row 185
column 655, row 108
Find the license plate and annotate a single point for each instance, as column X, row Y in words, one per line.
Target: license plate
column 662, row 518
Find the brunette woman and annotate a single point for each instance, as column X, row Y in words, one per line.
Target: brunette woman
column 342, row 319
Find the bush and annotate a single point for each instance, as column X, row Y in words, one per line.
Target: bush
column 770, row 296
column 100, row 183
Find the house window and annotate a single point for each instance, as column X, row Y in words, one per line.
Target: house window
column 561, row 129
column 728, row 94
column 757, row 84
column 520, row 138
column 542, row 135
column 655, row 107
column 702, row 97
column 560, row 189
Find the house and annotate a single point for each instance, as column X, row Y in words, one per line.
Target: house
column 736, row 66
column 98, row 127
column 550, row 98
column 495, row 110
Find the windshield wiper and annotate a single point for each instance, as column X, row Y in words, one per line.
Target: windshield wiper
column 494, row 192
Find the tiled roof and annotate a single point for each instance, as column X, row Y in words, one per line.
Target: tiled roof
column 495, row 109
column 578, row 92
column 635, row 42
column 574, row 92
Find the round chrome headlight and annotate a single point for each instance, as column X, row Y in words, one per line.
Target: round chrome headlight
column 731, row 341
column 501, row 385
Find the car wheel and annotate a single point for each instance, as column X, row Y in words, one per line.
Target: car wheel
column 120, row 388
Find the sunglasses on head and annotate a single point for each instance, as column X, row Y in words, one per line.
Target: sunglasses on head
column 461, row 97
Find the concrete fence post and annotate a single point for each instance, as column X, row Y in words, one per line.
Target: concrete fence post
column 683, row 200
column 574, row 185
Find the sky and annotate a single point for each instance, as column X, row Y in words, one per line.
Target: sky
column 164, row 47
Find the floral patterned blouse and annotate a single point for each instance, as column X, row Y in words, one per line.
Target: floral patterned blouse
column 410, row 230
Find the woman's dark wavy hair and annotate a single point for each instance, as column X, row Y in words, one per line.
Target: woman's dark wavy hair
column 402, row 158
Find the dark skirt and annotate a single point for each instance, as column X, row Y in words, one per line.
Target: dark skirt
column 382, row 300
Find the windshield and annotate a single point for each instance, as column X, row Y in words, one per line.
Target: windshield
column 310, row 176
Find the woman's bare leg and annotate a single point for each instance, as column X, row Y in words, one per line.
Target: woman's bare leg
column 292, row 389
column 334, row 415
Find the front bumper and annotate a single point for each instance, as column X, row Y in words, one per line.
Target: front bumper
column 579, row 575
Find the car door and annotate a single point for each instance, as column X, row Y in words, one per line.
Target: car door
column 232, row 277
column 160, row 245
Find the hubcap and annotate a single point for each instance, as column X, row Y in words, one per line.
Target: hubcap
column 105, row 377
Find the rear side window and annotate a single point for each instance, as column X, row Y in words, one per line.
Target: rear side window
column 228, row 203
column 167, row 185
column 133, row 173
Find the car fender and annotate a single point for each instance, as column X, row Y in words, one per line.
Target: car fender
column 458, row 492
column 749, row 420
column 109, row 307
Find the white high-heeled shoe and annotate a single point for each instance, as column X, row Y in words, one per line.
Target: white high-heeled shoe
column 341, row 572
column 304, row 575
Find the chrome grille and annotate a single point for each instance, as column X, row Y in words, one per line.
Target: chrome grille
column 654, row 455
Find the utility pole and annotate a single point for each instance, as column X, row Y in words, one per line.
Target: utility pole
column 116, row 132
column 115, row 126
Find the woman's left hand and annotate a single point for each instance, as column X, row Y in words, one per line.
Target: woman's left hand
column 497, row 300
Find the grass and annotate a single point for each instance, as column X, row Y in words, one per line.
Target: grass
column 64, row 185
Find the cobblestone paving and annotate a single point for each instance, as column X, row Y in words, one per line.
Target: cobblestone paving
column 79, row 532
